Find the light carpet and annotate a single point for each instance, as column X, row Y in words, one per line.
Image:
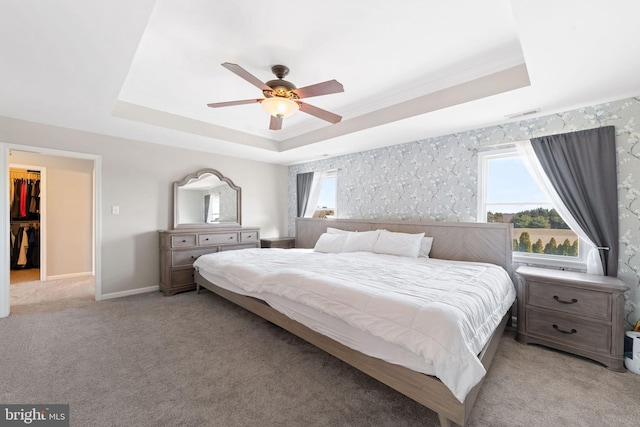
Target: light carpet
column 198, row 360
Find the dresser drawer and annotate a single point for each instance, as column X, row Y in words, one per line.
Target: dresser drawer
column 567, row 330
column 182, row 277
column 570, row 300
column 185, row 258
column 183, row 241
column 180, row 248
column 217, row 238
column 249, row 236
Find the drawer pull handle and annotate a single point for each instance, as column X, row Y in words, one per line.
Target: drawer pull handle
column 206, row 238
column 230, row 237
column 184, row 241
column 573, row 300
column 572, row 331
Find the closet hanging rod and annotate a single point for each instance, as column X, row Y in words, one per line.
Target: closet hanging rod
column 18, row 174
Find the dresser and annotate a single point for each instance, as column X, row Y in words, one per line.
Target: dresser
column 579, row 313
column 180, row 248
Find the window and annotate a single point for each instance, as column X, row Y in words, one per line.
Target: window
column 508, row 193
column 322, row 201
column 212, row 204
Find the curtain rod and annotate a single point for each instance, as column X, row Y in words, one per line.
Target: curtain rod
column 321, row 170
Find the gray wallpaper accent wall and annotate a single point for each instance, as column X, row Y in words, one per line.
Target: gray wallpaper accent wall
column 436, row 178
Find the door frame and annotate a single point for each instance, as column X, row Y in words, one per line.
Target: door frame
column 5, row 149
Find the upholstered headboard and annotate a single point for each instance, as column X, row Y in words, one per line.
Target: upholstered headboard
column 460, row 241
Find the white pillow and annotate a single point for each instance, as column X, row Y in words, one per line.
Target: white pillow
column 332, row 230
column 401, row 244
column 330, row 243
column 361, row 241
column 425, row 247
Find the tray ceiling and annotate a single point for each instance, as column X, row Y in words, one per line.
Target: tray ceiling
column 411, row 70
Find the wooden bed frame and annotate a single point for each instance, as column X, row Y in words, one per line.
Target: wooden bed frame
column 458, row 241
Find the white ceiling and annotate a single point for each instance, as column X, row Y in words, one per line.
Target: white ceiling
column 411, row 69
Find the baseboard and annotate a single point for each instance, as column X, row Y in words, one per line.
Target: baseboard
column 69, row 276
column 129, row 292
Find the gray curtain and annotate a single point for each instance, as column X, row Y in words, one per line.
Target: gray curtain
column 207, row 202
column 582, row 168
column 304, row 181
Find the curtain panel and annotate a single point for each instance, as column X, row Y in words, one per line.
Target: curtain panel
column 582, row 169
column 303, row 191
column 207, row 202
column 531, row 162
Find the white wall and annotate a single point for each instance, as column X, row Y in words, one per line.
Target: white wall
column 138, row 177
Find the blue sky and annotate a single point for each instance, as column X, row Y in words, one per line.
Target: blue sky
column 328, row 193
column 509, row 183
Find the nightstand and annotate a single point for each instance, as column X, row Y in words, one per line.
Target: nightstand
column 579, row 313
column 278, row 242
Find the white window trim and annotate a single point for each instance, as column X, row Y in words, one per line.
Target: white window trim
column 316, row 186
column 577, row 263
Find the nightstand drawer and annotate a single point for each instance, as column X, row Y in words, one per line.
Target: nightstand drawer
column 183, row 241
column 278, row 242
column 217, row 239
column 184, row 258
column 570, row 300
column 587, row 311
column 567, row 330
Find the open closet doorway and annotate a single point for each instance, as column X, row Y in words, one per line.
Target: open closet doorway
column 27, row 200
column 68, row 261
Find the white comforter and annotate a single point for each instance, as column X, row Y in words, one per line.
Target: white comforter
column 443, row 311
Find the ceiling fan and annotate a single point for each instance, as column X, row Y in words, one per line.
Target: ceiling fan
column 282, row 98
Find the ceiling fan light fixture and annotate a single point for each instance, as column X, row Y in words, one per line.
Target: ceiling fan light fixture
column 280, row 107
column 281, row 97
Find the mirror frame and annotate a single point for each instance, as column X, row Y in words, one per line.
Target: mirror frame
column 194, row 177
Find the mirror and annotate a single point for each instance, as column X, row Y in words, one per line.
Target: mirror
column 206, row 199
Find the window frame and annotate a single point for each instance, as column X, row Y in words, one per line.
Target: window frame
column 560, row 261
column 316, row 187
column 213, row 197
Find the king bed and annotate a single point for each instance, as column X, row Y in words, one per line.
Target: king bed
column 418, row 306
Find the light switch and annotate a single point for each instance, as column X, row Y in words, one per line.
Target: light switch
column 115, row 210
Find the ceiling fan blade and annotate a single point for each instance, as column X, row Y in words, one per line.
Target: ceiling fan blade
column 324, row 88
column 230, row 103
column 276, row 123
column 238, row 70
column 319, row 112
